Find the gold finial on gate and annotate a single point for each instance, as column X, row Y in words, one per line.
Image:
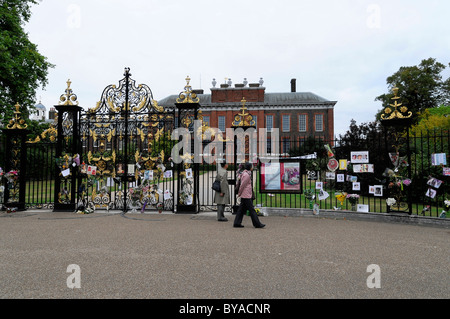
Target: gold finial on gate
column 17, row 122
column 188, row 96
column 399, row 112
column 243, row 118
column 69, row 98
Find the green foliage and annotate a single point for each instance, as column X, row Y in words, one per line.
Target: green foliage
column 23, row 69
column 431, row 120
column 36, row 128
column 441, row 111
column 420, row 87
column 309, row 146
column 165, row 143
column 371, row 137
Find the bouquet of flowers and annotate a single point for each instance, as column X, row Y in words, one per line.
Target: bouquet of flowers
column 399, row 183
column 447, row 204
column 353, row 198
column 391, row 201
column 135, row 195
column 11, row 176
column 2, row 190
column 341, row 197
column 160, row 207
column 309, row 194
column 83, row 210
column 447, row 208
column 258, row 212
column 425, row 209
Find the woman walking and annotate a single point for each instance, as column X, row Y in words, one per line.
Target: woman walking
column 222, row 198
column 246, row 195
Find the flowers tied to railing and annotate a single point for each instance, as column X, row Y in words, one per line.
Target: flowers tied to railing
column 341, row 196
column 310, row 196
column 353, row 199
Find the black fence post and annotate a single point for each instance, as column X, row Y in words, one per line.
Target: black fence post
column 67, row 147
column 125, row 112
column 398, row 117
column 187, row 108
column 15, row 161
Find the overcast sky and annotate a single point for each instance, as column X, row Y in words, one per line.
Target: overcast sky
column 342, row 50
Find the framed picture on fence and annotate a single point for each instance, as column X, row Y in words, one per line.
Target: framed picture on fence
column 438, row 159
column 280, row 177
column 378, row 190
column 359, row 157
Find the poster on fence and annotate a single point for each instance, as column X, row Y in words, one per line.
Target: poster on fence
column 360, row 157
column 280, row 177
column 446, row 171
column 363, row 168
column 438, row 159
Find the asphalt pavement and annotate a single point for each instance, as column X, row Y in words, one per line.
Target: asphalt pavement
column 111, row 255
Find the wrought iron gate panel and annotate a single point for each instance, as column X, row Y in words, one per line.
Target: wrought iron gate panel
column 40, row 178
column 126, row 140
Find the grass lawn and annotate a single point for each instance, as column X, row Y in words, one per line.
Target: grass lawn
column 42, row 192
column 376, row 204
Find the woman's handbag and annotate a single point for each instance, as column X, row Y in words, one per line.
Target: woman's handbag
column 216, row 186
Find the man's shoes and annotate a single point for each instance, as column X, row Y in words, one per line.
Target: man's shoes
column 223, row 219
column 260, row 226
column 238, row 226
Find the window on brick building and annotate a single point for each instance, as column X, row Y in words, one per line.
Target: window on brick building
column 206, row 120
column 319, row 122
column 286, row 145
column 269, row 123
column 302, row 123
column 222, row 124
column 286, row 123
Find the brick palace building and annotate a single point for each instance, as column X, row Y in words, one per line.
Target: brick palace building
column 297, row 115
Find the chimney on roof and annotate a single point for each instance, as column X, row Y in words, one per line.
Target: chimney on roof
column 198, row 91
column 52, row 113
column 293, row 85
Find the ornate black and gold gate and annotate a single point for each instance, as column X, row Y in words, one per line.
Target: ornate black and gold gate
column 125, row 151
column 15, row 161
column 396, row 119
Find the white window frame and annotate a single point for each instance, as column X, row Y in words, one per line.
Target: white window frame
column 221, row 118
column 269, row 124
column 319, row 124
column 286, row 145
column 300, row 129
column 206, row 120
column 286, row 128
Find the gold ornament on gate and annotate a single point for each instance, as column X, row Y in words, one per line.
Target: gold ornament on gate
column 17, row 122
column 188, row 96
column 396, row 110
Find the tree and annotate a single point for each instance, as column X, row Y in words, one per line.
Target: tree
column 420, row 87
column 371, row 137
column 364, row 131
column 435, row 120
column 23, row 69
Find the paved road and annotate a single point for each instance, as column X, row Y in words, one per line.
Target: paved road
column 194, row 256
